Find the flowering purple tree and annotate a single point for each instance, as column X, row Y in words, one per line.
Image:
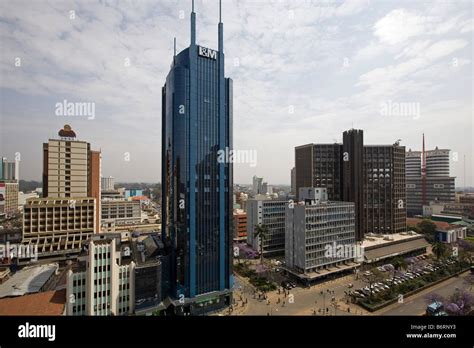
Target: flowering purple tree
column 434, row 297
column 460, row 303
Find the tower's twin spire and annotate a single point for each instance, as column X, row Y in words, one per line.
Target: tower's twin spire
column 193, row 25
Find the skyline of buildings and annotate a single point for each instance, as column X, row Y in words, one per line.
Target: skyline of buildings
column 116, row 262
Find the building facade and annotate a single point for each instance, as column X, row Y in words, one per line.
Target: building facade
column 320, row 234
column 370, row 176
column 119, row 213
column 293, row 181
column 58, row 225
column 257, row 185
column 353, row 175
column 271, row 213
column 107, row 183
column 9, row 170
column 240, row 224
column 71, row 169
column 197, row 185
column 116, row 275
column 8, row 197
column 384, row 189
column 320, row 165
column 104, row 283
column 438, row 184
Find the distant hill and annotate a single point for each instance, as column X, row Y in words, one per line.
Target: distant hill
column 27, row 186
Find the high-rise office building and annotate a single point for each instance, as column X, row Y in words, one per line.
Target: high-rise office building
column 353, row 175
column 320, row 165
column 293, row 181
column 257, row 185
column 384, row 189
column 373, row 177
column 9, row 170
column 70, row 211
column 197, row 187
column 9, row 187
column 433, row 184
column 71, row 169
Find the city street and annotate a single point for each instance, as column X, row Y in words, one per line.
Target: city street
column 416, row 304
column 299, row 301
column 317, row 300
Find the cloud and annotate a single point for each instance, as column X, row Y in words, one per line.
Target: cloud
column 400, row 25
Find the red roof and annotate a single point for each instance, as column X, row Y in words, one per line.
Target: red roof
column 41, row 303
column 440, row 225
column 140, row 198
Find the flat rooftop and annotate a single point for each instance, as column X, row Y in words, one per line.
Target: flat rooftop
column 373, row 240
column 43, row 303
column 28, row 280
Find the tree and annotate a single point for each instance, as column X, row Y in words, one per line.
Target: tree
column 261, row 232
column 399, row 263
column 460, row 303
column 428, row 229
column 440, row 250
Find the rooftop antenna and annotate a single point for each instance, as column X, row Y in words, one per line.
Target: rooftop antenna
column 220, row 30
column 174, row 47
column 193, row 25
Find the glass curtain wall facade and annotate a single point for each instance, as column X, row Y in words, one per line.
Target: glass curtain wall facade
column 197, row 187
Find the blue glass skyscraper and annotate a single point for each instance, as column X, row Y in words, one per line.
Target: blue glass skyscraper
column 196, row 186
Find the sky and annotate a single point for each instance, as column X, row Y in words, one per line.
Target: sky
column 304, row 71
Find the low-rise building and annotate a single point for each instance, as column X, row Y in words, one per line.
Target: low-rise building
column 119, row 213
column 240, row 224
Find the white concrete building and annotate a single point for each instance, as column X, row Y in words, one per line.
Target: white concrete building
column 104, row 286
column 320, row 234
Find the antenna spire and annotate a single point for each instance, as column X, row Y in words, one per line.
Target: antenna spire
column 220, row 11
column 175, row 46
column 193, row 25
